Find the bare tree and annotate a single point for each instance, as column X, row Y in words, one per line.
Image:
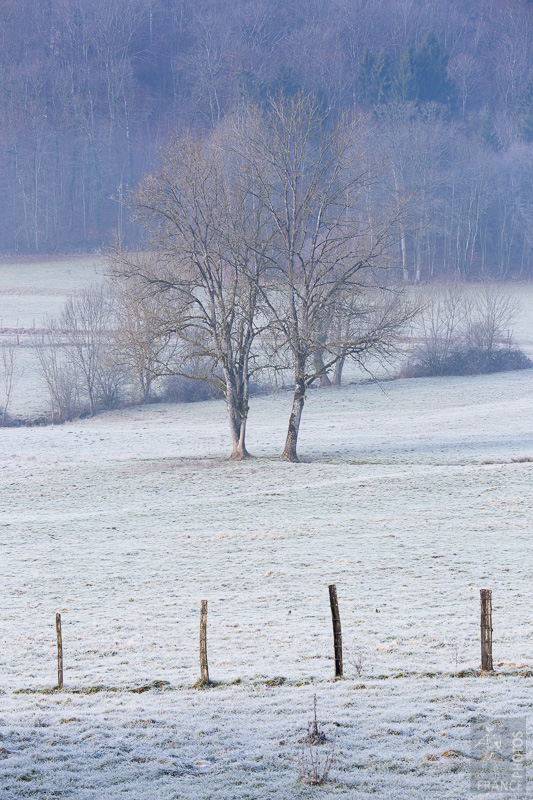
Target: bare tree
column 329, row 242
column 86, row 324
column 138, row 340
column 10, row 372
column 440, row 326
column 375, row 317
column 206, row 243
column 81, row 356
column 60, row 375
column 490, row 317
column 466, row 71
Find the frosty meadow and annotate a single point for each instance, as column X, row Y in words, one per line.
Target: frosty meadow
column 266, row 380
column 413, row 497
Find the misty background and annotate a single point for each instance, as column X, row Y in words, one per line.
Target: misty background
column 89, row 91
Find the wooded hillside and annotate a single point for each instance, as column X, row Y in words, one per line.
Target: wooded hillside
column 88, row 90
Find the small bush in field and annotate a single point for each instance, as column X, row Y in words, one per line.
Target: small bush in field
column 315, row 762
column 179, row 389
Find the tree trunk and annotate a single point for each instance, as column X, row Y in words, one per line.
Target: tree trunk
column 91, row 402
column 145, row 384
column 323, row 379
column 403, row 247
column 289, row 453
column 238, row 415
column 337, row 373
column 238, row 434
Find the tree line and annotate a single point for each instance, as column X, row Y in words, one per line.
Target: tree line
column 89, row 90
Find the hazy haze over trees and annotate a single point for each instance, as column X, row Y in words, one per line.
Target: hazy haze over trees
column 89, row 90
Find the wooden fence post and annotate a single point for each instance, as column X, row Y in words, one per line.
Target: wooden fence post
column 59, row 652
column 486, row 629
column 203, row 642
column 337, row 635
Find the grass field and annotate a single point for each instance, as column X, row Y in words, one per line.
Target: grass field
column 410, row 498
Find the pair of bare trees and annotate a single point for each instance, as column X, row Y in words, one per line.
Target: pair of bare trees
column 265, row 248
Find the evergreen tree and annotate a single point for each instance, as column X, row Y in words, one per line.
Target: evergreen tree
column 487, row 130
column 250, row 86
column 406, row 83
column 374, row 79
column 422, row 74
column 431, row 70
column 285, row 83
column 526, row 113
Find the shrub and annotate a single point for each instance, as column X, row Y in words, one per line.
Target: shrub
column 469, row 361
column 314, row 765
column 179, row 389
column 460, row 333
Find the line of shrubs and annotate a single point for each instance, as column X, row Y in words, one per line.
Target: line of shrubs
column 469, row 361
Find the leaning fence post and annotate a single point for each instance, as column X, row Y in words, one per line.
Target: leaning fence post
column 203, row 642
column 59, row 652
column 337, row 635
column 486, row 629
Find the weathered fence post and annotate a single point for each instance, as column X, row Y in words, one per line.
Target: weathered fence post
column 337, row 635
column 203, row 642
column 59, row 652
column 486, row 629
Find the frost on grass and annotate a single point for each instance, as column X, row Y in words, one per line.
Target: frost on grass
column 125, row 522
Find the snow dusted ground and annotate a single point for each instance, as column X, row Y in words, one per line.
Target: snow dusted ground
column 407, row 499
column 35, row 290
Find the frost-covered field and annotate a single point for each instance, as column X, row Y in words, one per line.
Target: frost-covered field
column 31, row 294
column 33, row 290
column 408, row 500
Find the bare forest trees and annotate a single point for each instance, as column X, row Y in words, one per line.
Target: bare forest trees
column 122, row 337
column 89, row 89
column 265, row 248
